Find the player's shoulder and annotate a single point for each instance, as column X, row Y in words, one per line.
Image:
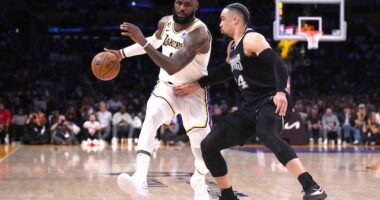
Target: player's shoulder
column 254, row 39
column 163, row 21
column 199, row 28
column 255, row 36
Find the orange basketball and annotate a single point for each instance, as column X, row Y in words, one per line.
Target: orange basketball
column 105, row 66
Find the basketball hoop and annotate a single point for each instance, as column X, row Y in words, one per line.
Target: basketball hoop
column 312, row 37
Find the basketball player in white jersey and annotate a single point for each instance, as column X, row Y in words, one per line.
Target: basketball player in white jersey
column 186, row 47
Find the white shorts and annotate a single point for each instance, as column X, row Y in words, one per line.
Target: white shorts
column 194, row 110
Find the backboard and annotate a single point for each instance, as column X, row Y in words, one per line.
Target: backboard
column 293, row 17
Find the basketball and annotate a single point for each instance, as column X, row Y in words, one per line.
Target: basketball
column 105, row 66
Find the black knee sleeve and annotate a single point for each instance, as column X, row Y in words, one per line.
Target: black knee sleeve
column 217, row 140
column 213, row 158
column 281, row 149
column 269, row 126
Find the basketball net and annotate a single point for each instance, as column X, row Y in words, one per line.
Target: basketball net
column 312, row 37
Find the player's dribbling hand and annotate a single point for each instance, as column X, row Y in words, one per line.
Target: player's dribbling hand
column 134, row 32
column 185, row 89
column 281, row 103
column 114, row 52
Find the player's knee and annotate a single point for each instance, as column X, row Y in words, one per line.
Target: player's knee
column 154, row 116
column 264, row 137
column 208, row 146
column 204, row 145
column 280, row 148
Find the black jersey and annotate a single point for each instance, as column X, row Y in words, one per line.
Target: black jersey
column 254, row 78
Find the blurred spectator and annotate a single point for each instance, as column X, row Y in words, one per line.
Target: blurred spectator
column 18, row 125
column 135, row 129
column 114, row 103
column 91, row 129
column 217, row 114
column 36, row 129
column 53, row 117
column 72, row 115
column 86, row 111
column 234, row 109
column 371, row 130
column 169, row 132
column 224, row 107
column 105, row 117
column 361, row 118
column 347, row 120
column 64, row 132
column 5, row 122
column 299, row 108
column 121, row 123
column 314, row 125
column 331, row 126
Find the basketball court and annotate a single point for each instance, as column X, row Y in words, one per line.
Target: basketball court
column 346, row 172
column 72, row 172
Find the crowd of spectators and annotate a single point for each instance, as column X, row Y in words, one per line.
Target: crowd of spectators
column 50, row 95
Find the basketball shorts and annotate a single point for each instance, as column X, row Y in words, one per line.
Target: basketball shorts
column 194, row 110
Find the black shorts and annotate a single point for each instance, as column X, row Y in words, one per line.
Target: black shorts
column 243, row 121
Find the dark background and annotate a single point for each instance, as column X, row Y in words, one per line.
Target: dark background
column 47, row 46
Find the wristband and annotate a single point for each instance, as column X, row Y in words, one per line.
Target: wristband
column 146, row 44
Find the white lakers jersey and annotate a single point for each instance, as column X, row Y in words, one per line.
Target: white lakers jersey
column 172, row 41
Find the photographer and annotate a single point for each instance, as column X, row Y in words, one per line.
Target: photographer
column 63, row 132
column 36, row 131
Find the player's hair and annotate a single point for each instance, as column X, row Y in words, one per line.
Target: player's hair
column 243, row 10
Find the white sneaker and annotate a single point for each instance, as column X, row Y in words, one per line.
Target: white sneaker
column 356, row 142
column 311, row 141
column 339, row 142
column 130, row 141
column 198, row 183
column 325, row 142
column 138, row 190
column 95, row 142
column 114, row 141
column 102, row 143
column 319, row 140
column 7, row 139
column 84, row 143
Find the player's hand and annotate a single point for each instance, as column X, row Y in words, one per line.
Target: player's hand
column 134, row 32
column 114, row 52
column 185, row 89
column 281, row 103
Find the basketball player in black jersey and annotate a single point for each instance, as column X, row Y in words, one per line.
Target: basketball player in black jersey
column 262, row 79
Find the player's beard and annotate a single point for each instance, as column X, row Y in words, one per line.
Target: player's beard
column 184, row 20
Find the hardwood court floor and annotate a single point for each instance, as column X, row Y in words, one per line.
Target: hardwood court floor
column 73, row 173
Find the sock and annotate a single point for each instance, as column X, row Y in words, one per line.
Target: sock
column 142, row 166
column 228, row 193
column 306, row 181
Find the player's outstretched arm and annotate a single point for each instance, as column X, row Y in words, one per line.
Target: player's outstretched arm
column 193, row 44
column 136, row 49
